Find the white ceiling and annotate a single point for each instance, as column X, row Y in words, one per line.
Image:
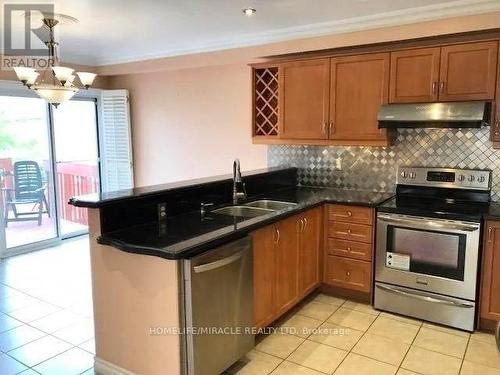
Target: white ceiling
column 115, row 31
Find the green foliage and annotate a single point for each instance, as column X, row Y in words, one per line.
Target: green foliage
column 7, row 140
column 9, row 134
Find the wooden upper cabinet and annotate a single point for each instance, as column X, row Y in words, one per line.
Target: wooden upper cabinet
column 336, row 100
column 358, row 86
column 414, row 75
column 310, row 237
column 490, row 283
column 304, row 88
column 468, row 71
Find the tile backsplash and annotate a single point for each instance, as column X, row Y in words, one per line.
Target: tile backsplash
column 374, row 168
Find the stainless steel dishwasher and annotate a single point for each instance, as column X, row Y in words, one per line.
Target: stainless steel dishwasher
column 219, row 307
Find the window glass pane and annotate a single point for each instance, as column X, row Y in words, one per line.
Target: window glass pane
column 25, row 170
column 75, row 132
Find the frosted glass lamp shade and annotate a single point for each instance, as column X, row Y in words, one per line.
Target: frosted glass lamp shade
column 32, row 79
column 69, row 81
column 86, row 78
column 62, row 73
column 55, row 94
column 24, row 74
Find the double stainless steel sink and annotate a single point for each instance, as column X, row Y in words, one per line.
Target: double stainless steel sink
column 254, row 209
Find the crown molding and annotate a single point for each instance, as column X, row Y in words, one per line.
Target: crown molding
column 400, row 17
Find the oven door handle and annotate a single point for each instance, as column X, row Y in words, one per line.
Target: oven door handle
column 423, row 297
column 431, row 224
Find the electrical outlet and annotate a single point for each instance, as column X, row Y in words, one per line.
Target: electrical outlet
column 338, row 164
column 162, row 211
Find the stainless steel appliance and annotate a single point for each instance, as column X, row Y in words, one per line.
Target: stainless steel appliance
column 219, row 307
column 428, row 240
column 435, row 115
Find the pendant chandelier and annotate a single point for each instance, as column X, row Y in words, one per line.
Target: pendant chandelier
column 55, row 84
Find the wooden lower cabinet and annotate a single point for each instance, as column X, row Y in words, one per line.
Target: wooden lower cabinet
column 490, row 278
column 286, row 264
column 309, row 251
column 264, row 271
column 349, row 248
column 350, row 231
column 350, row 214
column 288, row 257
column 348, row 273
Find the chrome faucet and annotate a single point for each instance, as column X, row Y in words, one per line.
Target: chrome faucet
column 238, row 183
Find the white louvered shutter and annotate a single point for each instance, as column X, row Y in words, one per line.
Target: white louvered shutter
column 115, row 141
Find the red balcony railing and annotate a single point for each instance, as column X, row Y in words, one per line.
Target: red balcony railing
column 75, row 178
column 72, row 178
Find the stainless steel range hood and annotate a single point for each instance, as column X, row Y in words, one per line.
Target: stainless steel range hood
column 434, row 115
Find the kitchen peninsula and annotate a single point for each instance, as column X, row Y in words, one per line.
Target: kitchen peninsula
column 137, row 258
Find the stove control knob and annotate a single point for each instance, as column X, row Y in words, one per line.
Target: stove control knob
column 404, row 174
column 481, row 179
column 413, row 175
column 461, row 178
column 471, row 178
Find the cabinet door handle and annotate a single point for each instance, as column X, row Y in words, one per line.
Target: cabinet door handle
column 434, row 87
column 441, row 87
column 490, row 234
column 349, row 213
column 331, row 128
column 348, row 273
column 497, row 126
column 323, row 127
column 305, row 223
column 277, row 236
column 301, row 225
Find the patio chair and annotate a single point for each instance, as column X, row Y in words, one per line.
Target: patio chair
column 29, row 188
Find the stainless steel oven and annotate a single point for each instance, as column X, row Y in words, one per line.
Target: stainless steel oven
column 427, row 246
column 429, row 254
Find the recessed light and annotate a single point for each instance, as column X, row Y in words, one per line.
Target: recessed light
column 249, row 11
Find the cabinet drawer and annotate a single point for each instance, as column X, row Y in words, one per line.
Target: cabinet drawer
column 348, row 273
column 350, row 214
column 350, row 249
column 352, row 232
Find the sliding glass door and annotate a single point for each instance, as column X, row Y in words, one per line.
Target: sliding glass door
column 47, row 156
column 77, row 162
column 26, row 173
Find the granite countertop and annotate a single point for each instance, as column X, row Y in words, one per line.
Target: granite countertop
column 189, row 234
column 96, row 200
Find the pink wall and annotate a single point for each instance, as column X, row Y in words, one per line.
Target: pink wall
column 191, row 123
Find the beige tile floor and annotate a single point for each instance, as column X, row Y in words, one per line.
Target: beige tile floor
column 329, row 335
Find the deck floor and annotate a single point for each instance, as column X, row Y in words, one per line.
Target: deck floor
column 20, row 233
